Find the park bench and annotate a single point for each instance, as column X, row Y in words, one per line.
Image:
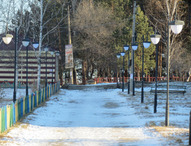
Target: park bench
column 162, row 88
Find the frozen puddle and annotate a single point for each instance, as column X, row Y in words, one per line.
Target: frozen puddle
column 31, row 135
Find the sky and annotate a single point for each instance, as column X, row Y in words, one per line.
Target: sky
column 8, row 9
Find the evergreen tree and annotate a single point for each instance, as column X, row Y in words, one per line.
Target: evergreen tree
column 143, row 29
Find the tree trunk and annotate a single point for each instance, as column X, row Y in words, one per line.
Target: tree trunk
column 60, row 49
column 84, row 67
column 40, row 45
column 138, row 75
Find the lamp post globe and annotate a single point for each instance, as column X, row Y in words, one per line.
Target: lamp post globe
column 134, row 46
column 126, row 47
column 176, row 26
column 122, row 53
column 155, row 38
column 118, row 55
column 146, row 44
column 35, row 44
column 25, row 42
column 7, row 39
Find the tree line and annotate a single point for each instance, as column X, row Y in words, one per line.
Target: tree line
column 100, row 29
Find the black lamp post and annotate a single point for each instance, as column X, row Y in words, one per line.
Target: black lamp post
column 25, row 43
column 123, row 54
column 134, row 47
column 128, row 74
column 57, row 53
column 15, row 64
column 118, row 56
column 126, row 48
column 146, row 44
column 46, row 51
column 52, row 53
column 7, row 39
column 155, row 40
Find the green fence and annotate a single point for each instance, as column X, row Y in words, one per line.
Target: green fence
column 10, row 114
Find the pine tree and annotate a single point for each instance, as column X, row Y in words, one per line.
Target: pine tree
column 143, row 29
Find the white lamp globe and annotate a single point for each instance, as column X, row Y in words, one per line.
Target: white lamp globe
column 126, row 47
column 146, row 44
column 46, row 49
column 25, row 42
column 134, row 46
column 176, row 26
column 35, row 44
column 122, row 53
column 7, row 39
column 155, row 38
column 118, row 55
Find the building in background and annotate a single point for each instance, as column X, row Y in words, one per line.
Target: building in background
column 7, row 65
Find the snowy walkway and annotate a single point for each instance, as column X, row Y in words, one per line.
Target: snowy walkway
column 87, row 118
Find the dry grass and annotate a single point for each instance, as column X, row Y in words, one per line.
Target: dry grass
column 173, row 134
column 169, row 131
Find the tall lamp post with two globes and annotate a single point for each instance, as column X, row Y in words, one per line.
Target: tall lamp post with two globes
column 25, row 43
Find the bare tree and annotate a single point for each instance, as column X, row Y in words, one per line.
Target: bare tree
column 160, row 13
column 94, row 25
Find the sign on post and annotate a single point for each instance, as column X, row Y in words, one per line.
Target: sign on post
column 69, row 56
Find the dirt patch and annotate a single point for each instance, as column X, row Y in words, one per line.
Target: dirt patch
column 169, row 131
column 173, row 134
column 73, row 101
column 111, row 105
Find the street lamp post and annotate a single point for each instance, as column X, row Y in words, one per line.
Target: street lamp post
column 146, row 45
column 128, row 74
column 25, row 43
column 176, row 27
column 155, row 40
column 126, row 48
column 118, row 56
column 57, row 53
column 15, row 63
column 46, row 51
column 7, row 39
column 134, row 47
column 123, row 54
column 52, row 53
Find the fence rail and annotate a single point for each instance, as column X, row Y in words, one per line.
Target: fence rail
column 10, row 114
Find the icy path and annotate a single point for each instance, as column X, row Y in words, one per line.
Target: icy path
column 88, row 118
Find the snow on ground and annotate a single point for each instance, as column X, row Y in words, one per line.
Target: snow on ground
column 7, row 96
column 103, row 118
